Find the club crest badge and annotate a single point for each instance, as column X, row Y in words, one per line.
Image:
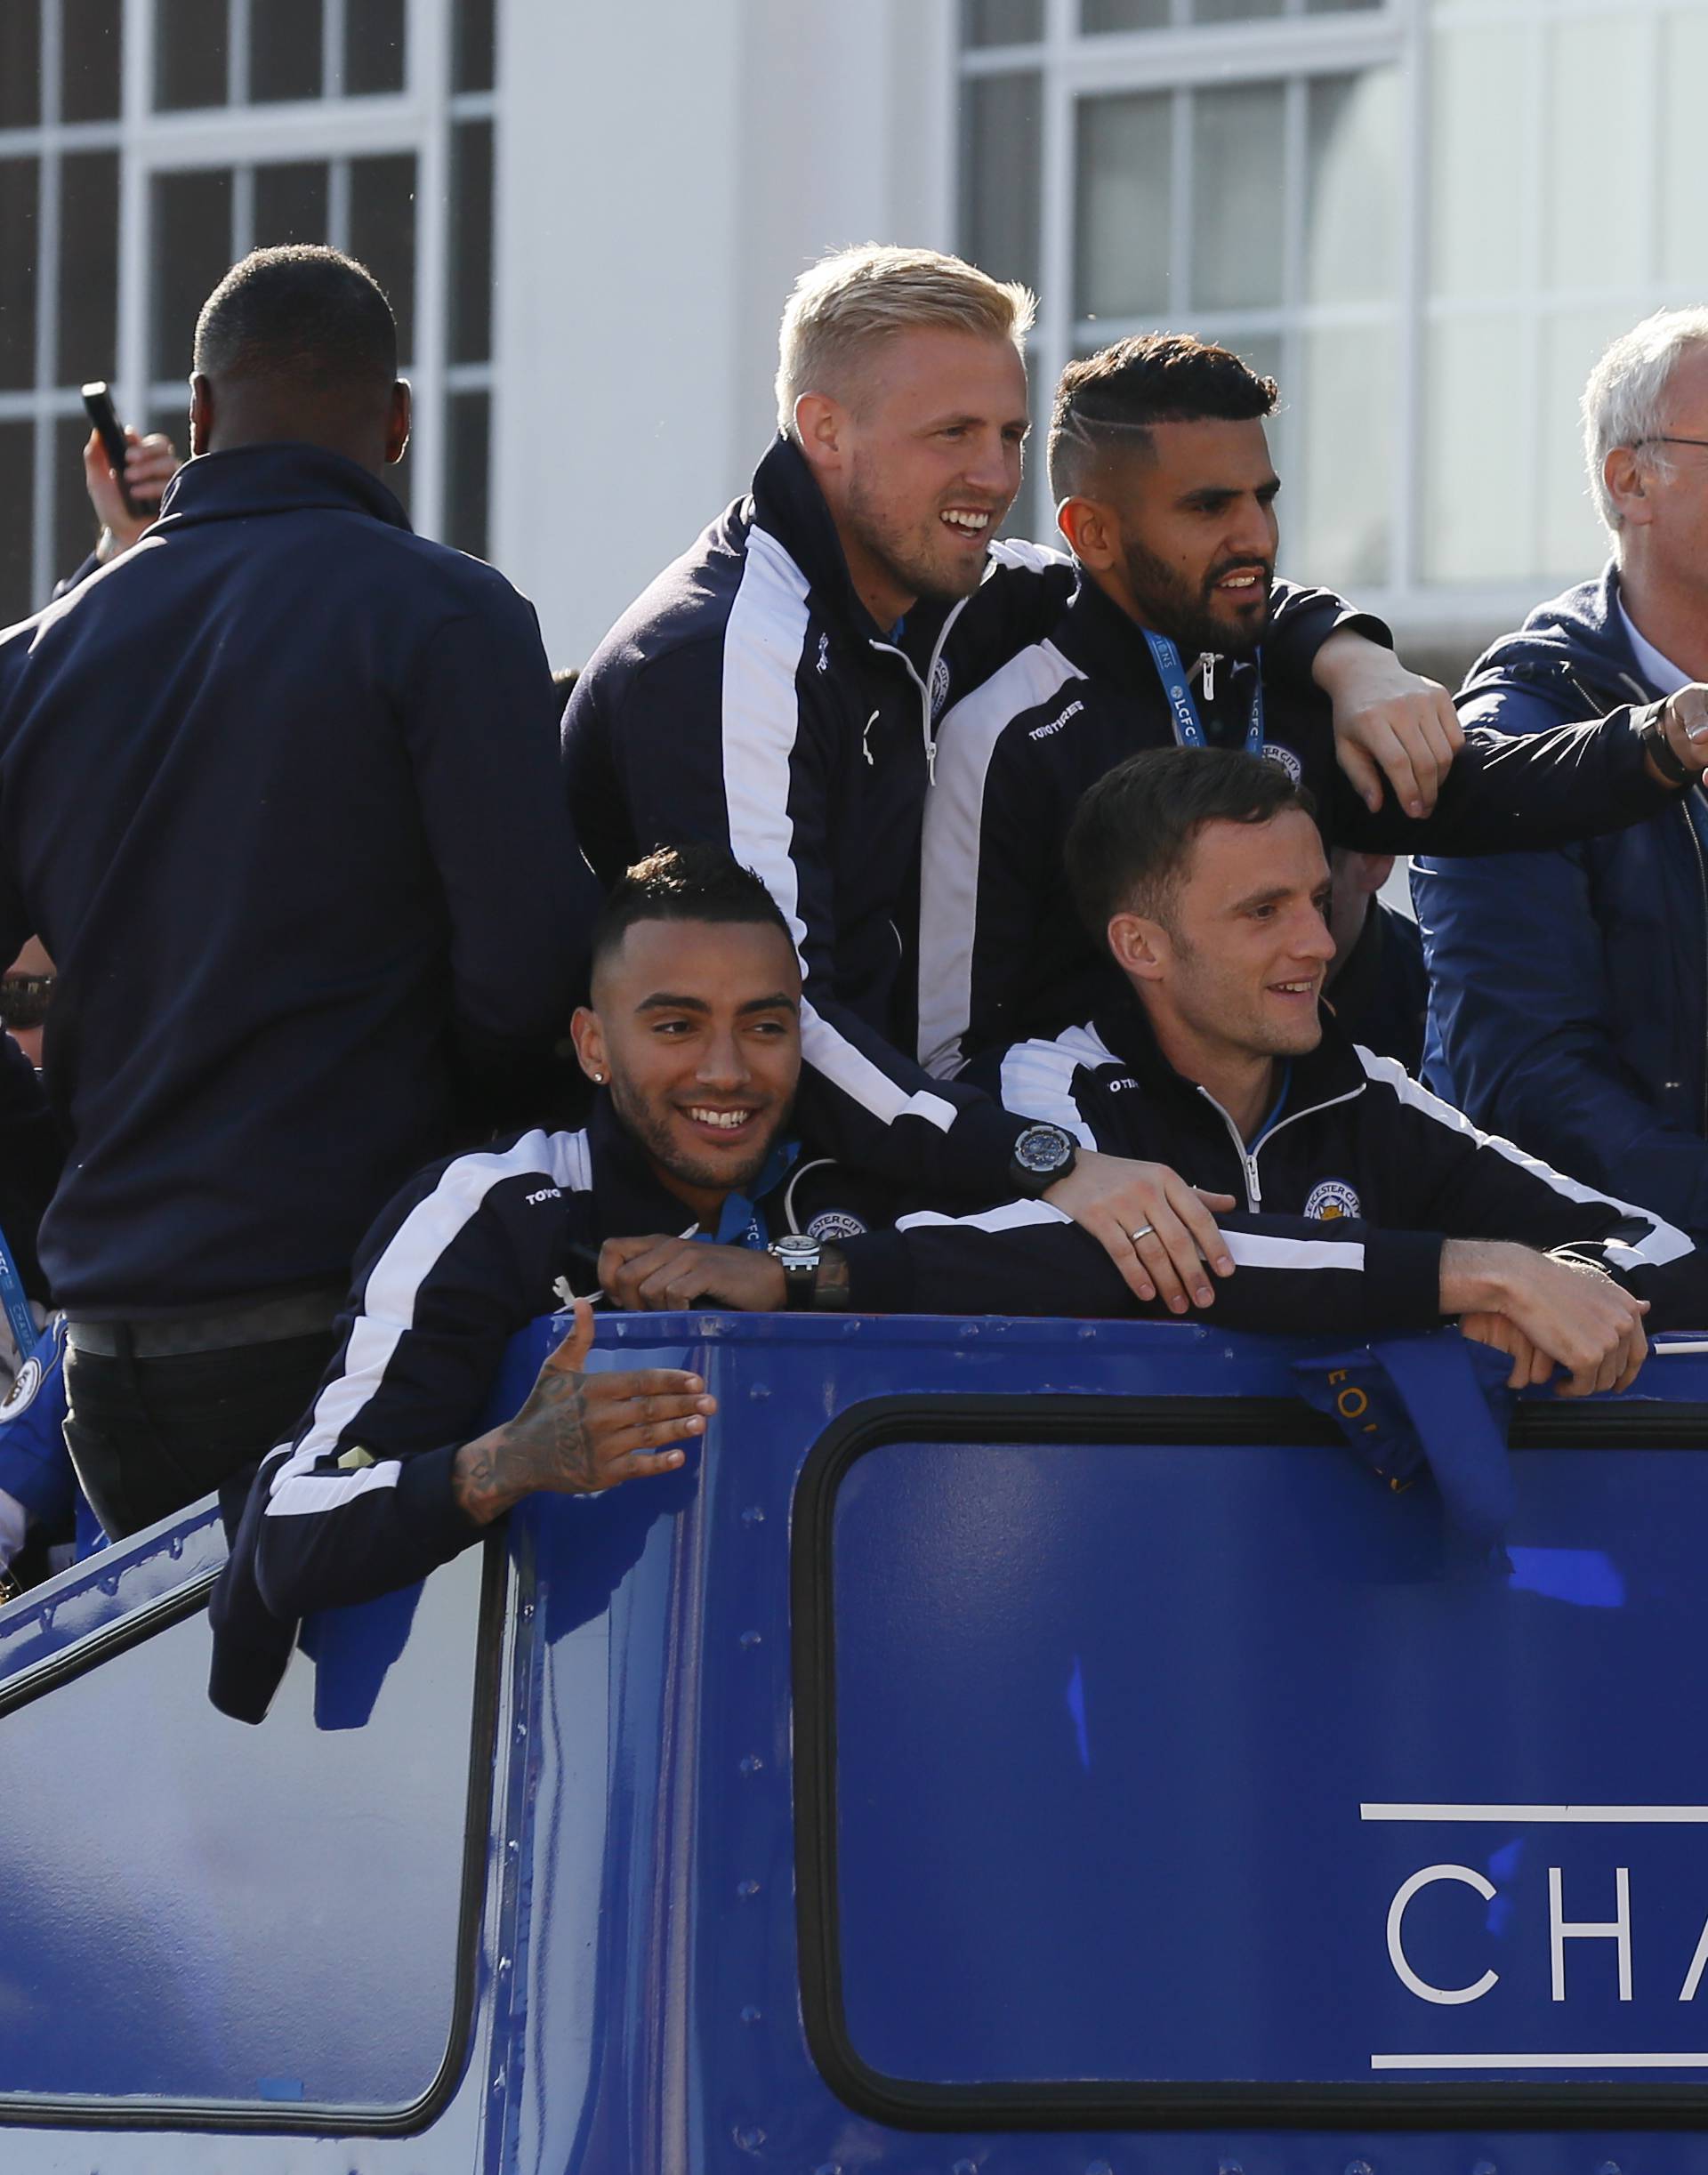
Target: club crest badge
column 1332, row 1201
column 833, row 1223
column 1288, row 760
column 940, row 686
column 21, row 1396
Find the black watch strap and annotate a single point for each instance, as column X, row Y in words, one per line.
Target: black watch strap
column 1659, row 750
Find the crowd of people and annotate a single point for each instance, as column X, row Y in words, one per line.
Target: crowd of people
column 895, row 918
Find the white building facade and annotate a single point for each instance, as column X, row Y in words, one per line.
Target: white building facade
column 1426, row 217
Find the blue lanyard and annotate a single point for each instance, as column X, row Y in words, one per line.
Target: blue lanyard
column 1187, row 730
column 24, row 1332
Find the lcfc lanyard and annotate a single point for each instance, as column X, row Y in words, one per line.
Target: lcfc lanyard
column 1187, row 730
column 24, row 1332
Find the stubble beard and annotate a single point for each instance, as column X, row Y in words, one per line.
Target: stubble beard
column 1184, row 615
column 655, row 1138
column 908, row 561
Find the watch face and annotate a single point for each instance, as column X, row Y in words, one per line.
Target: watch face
column 1043, row 1149
column 795, row 1248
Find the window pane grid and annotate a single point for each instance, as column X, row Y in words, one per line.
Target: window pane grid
column 1430, row 202
column 94, row 289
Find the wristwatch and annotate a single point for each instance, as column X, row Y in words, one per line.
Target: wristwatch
column 798, row 1256
column 1042, row 1155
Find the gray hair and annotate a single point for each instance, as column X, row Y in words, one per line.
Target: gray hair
column 1625, row 402
column 849, row 300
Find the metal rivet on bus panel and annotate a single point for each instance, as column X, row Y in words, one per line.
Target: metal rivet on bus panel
column 1484, row 2167
column 749, row 2015
column 828, row 2167
column 1359, row 2167
column 1099, row 2167
column 749, row 1641
column 1229, row 2167
column 750, row 2139
column 527, row 1610
column 759, row 1390
column 964, row 2167
column 521, row 1731
column 1607, row 2167
column 747, row 1889
column 503, row 1964
column 969, row 1329
column 751, row 1764
column 753, row 1515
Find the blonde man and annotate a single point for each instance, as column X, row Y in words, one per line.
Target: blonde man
column 775, row 691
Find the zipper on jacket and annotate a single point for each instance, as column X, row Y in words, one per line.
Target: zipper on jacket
column 924, row 685
column 1248, row 1156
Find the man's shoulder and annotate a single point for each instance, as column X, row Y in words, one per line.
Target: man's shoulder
column 1047, row 1076
column 1571, row 658
column 1022, row 711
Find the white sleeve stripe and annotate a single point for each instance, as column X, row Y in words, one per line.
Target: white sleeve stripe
column 1037, row 1082
column 1254, row 1250
column 1664, row 1243
column 388, row 1301
column 762, row 647
column 836, row 1059
column 955, row 807
column 1013, row 1215
column 311, row 1491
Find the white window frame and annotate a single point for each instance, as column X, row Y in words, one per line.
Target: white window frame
column 1293, row 47
column 333, row 129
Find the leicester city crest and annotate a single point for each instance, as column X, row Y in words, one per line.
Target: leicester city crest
column 1332, row 1200
column 940, row 686
column 1288, row 760
column 832, row 1223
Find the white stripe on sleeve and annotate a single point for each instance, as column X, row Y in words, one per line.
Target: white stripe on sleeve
column 1037, row 1079
column 388, row 1302
column 1664, row 1243
column 763, row 644
column 1012, row 1216
column 1260, row 1249
column 955, row 813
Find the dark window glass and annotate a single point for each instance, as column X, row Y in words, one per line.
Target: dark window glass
column 16, row 499
column 93, row 48
column 75, row 525
column 88, row 266
column 291, row 202
column 474, row 63
column 383, row 233
column 373, row 46
column 472, row 242
column 1097, row 15
column 21, row 64
column 191, row 254
column 284, row 50
column 1000, row 23
column 999, row 174
column 20, row 194
column 466, row 471
column 189, row 44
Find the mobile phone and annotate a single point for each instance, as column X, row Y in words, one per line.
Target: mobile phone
column 97, row 405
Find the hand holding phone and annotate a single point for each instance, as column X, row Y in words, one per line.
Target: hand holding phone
column 97, row 405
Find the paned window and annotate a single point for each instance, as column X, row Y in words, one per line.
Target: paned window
column 1398, row 207
column 144, row 147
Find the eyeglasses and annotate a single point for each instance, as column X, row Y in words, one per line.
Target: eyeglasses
column 1661, row 438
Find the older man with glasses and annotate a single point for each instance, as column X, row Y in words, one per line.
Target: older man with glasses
column 1569, row 1007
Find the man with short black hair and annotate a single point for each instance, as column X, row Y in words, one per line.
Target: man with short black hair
column 1161, row 474
column 1380, row 1208
column 278, row 795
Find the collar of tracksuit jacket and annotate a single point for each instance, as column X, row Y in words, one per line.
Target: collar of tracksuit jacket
column 1331, row 1073
column 1110, row 649
column 289, row 477
column 788, row 504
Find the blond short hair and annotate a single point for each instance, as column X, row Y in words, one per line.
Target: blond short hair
column 1625, row 402
column 849, row 300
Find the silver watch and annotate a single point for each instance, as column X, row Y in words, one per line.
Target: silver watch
column 800, row 1256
